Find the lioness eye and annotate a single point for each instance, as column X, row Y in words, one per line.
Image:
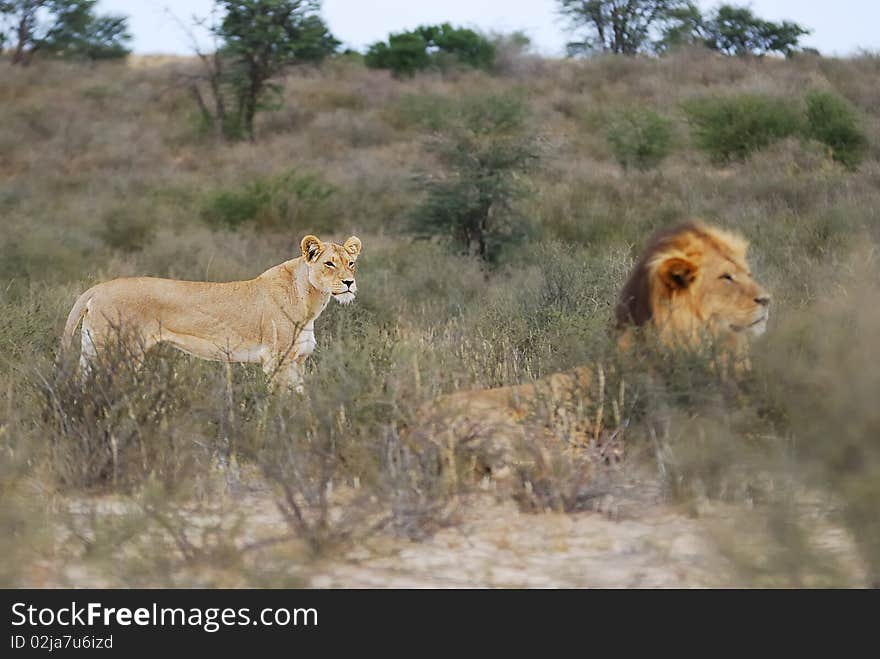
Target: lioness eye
column 329, row 264
column 351, row 264
column 726, row 276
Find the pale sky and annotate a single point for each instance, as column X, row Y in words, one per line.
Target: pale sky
column 839, row 28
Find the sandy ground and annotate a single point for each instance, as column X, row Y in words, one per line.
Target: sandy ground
column 497, row 546
column 634, row 538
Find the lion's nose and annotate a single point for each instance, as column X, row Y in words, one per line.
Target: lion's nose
column 763, row 300
column 348, row 282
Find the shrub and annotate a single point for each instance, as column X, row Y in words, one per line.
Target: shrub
column 404, row 54
column 130, row 427
column 430, row 46
column 466, row 46
column 640, row 139
column 833, row 122
column 269, row 202
column 825, row 392
column 733, row 127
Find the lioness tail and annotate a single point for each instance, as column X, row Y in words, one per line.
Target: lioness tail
column 73, row 318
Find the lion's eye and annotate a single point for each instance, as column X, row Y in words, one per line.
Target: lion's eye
column 727, row 276
column 329, row 264
column 351, row 264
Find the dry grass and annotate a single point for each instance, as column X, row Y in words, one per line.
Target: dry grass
column 185, row 474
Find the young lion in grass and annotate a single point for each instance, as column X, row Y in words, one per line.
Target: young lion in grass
column 268, row 320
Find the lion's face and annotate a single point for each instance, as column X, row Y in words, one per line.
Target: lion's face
column 332, row 266
column 695, row 279
column 729, row 298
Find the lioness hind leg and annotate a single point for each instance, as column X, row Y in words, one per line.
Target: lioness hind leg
column 88, row 350
column 106, row 343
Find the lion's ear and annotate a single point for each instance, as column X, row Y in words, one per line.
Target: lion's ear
column 311, row 247
column 353, row 246
column 677, row 273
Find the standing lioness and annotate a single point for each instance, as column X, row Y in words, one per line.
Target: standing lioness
column 268, row 320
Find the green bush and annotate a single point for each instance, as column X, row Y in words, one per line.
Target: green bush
column 833, row 122
column 466, row 46
column 428, row 46
column 404, row 54
column 731, row 128
column 640, row 139
column 269, row 202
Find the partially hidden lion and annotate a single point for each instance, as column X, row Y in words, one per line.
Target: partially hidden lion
column 692, row 282
column 268, row 320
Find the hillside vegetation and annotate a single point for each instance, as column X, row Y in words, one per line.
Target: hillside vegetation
column 170, row 475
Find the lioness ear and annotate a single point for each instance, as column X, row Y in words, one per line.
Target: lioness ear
column 311, row 247
column 353, row 246
column 677, row 273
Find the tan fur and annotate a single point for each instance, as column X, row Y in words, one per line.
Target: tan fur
column 691, row 282
column 267, row 320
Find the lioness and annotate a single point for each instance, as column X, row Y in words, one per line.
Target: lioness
column 268, row 320
column 691, row 281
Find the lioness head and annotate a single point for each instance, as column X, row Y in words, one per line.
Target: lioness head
column 694, row 279
column 331, row 266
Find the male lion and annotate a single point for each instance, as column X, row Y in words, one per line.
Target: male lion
column 268, row 320
column 691, row 282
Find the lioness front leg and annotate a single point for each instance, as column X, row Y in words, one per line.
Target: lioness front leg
column 288, row 373
column 294, row 379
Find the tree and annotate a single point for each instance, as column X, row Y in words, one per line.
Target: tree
column 427, row 46
column 732, row 30
column 483, row 149
column 5, row 12
column 737, row 31
column 78, row 32
column 258, row 41
column 624, row 27
column 23, row 16
column 685, row 27
column 69, row 28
